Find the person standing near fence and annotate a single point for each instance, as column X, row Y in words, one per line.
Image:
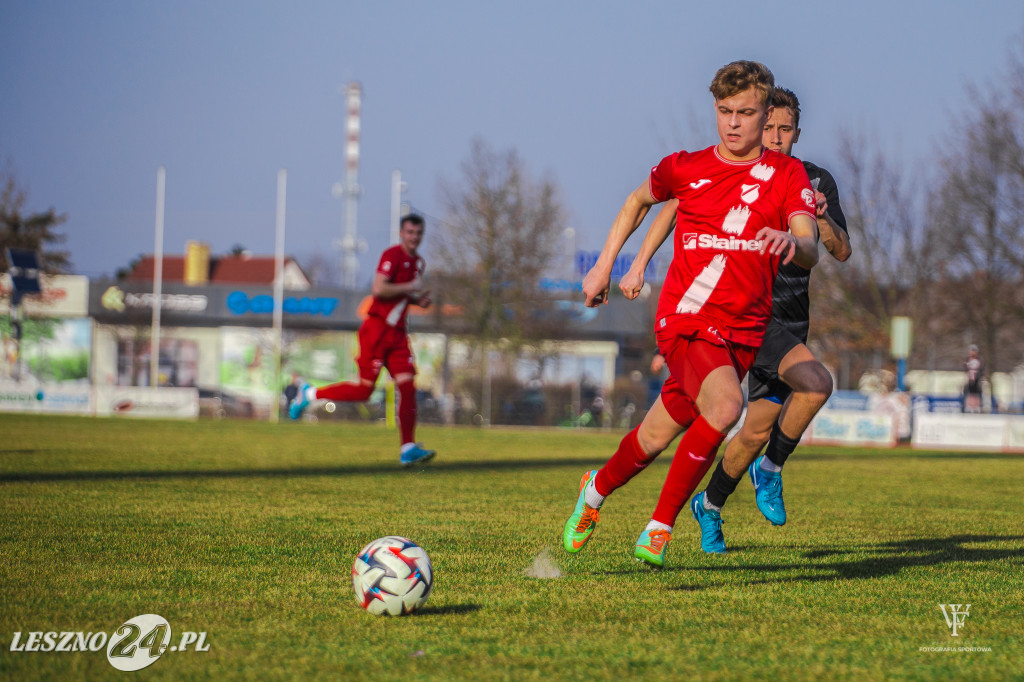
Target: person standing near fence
column 975, row 370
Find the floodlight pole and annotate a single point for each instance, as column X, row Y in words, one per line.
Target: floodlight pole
column 158, row 284
column 397, row 187
column 282, row 186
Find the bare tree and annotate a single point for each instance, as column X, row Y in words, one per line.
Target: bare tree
column 854, row 302
column 499, row 236
column 979, row 213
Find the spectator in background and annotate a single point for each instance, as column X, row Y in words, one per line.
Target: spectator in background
column 975, row 369
column 292, row 389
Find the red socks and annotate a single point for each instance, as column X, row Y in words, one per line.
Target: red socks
column 345, row 393
column 407, row 411
column 628, row 461
column 694, row 456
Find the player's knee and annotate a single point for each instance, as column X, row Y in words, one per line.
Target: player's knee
column 365, row 390
column 724, row 412
column 652, row 441
column 819, row 388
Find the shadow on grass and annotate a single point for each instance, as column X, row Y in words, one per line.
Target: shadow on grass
column 451, row 610
column 395, row 469
column 884, row 559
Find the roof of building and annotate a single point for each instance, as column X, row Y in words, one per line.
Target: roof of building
column 229, row 269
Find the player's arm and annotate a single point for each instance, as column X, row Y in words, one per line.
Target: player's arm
column 799, row 245
column 833, row 237
column 632, row 213
column 384, row 289
column 831, row 220
column 658, row 232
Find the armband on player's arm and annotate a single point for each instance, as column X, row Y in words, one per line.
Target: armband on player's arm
column 805, row 230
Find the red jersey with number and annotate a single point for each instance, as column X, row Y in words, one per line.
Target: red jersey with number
column 718, row 277
column 399, row 267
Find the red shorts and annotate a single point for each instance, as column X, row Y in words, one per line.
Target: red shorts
column 691, row 355
column 381, row 345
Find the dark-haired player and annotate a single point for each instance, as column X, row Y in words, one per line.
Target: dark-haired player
column 787, row 385
column 383, row 341
column 741, row 211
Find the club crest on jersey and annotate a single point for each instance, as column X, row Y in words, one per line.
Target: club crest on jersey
column 762, row 172
column 736, row 220
column 750, row 193
column 808, row 197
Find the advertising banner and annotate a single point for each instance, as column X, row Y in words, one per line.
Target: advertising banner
column 48, row 398
column 140, row 401
column 961, row 431
column 852, row 427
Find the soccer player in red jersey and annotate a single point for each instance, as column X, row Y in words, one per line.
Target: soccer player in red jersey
column 742, row 210
column 383, row 341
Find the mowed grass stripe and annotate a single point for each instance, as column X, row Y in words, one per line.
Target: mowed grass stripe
column 248, row 530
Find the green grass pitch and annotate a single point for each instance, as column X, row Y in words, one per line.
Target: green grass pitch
column 247, row 531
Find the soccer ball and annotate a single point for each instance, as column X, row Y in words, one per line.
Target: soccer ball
column 392, row 576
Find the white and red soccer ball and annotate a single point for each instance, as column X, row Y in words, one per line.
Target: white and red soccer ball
column 392, row 576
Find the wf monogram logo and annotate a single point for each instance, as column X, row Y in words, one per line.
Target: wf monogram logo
column 955, row 615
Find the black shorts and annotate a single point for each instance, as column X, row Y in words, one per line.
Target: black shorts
column 763, row 382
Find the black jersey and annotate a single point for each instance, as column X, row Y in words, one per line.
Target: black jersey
column 790, row 298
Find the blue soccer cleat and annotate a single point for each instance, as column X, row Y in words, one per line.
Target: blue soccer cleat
column 768, row 492
column 299, row 403
column 416, row 455
column 711, row 539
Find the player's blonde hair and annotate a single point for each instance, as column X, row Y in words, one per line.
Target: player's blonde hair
column 738, row 76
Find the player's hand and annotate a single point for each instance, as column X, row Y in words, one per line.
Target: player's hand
column 423, row 300
column 595, row 287
column 631, row 284
column 777, row 243
column 821, row 203
column 414, row 287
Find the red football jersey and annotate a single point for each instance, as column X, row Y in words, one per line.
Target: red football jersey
column 399, row 267
column 718, row 275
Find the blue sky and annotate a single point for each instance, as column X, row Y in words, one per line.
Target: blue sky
column 97, row 95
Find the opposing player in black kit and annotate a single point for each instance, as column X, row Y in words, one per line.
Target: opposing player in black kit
column 787, row 385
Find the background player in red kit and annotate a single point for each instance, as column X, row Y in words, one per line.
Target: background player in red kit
column 383, row 341
column 736, row 202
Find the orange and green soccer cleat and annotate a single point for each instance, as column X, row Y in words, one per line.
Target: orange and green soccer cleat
column 651, row 546
column 582, row 521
